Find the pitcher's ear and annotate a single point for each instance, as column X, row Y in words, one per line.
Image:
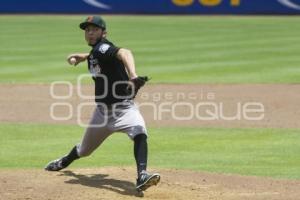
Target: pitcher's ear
column 104, row 34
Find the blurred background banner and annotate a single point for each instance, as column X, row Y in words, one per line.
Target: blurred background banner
column 152, row 6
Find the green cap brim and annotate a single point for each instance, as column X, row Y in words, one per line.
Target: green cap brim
column 83, row 25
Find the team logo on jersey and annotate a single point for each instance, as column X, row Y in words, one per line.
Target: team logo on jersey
column 94, row 66
column 103, row 48
column 95, row 69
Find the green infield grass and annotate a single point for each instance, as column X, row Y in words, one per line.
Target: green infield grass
column 259, row 152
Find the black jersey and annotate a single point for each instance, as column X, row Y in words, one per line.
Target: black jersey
column 108, row 73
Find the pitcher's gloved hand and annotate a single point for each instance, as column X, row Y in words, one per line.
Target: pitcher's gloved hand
column 136, row 84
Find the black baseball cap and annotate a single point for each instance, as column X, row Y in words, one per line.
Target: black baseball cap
column 93, row 20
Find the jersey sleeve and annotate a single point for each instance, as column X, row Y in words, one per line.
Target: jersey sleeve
column 106, row 51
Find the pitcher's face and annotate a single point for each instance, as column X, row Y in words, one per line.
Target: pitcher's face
column 93, row 34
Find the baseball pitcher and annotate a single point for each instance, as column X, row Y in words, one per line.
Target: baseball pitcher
column 116, row 84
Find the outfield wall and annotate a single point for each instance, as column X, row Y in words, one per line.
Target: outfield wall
column 152, row 6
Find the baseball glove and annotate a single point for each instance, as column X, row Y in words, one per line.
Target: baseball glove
column 136, row 84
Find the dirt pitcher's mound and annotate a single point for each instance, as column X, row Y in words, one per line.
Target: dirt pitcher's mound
column 116, row 183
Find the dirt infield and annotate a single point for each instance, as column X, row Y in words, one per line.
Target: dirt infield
column 168, row 105
column 118, row 183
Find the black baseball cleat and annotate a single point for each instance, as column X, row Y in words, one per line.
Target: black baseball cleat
column 146, row 180
column 55, row 165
